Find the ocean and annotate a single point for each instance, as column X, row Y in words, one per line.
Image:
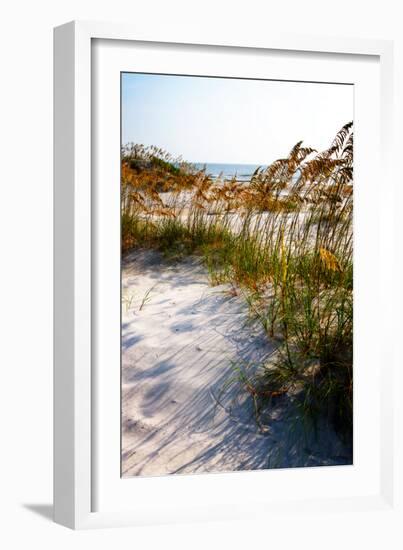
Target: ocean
column 242, row 172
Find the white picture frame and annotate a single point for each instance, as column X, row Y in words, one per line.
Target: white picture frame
column 76, row 422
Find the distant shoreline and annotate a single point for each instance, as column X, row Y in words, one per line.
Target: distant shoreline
column 241, row 172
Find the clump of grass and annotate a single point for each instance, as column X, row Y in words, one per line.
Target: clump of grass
column 285, row 240
column 146, row 298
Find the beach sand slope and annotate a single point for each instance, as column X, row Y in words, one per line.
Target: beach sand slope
column 183, row 410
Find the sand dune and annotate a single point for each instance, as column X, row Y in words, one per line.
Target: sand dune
column 181, row 342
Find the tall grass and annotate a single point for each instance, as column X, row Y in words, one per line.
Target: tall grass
column 285, row 239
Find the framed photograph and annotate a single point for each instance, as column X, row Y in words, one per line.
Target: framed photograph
column 219, row 242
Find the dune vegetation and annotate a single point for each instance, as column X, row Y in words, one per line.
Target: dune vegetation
column 283, row 241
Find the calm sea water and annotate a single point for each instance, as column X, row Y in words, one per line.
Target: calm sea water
column 242, row 172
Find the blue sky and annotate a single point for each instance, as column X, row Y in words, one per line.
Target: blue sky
column 231, row 120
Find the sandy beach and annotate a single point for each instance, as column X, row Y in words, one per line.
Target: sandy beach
column 183, row 410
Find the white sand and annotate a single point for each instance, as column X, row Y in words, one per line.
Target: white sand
column 178, row 353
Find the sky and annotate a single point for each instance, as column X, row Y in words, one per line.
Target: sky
column 221, row 120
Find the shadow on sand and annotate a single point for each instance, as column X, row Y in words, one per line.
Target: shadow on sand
column 184, row 408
